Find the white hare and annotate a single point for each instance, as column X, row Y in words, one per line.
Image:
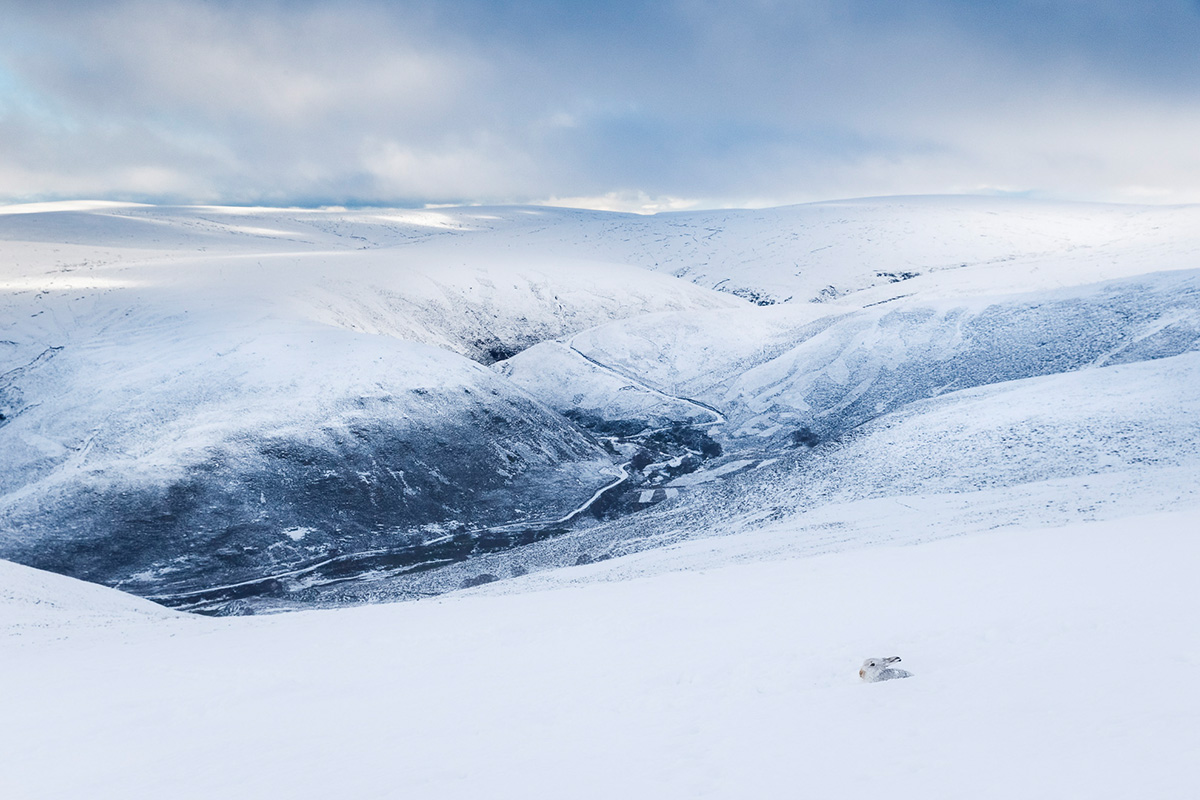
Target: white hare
column 877, row 669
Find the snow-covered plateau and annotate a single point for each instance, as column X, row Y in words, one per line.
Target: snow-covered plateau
column 655, row 485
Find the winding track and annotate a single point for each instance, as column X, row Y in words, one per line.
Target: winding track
column 718, row 417
column 624, row 476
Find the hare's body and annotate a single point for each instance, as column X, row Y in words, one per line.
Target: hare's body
column 879, row 669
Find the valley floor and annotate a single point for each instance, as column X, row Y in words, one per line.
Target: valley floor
column 1048, row 662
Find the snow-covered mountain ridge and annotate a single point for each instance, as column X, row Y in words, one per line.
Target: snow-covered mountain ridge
column 195, row 397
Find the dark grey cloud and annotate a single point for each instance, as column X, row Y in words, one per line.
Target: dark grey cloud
column 487, row 100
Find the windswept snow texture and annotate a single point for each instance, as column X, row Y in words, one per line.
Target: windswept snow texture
column 1087, row 445
column 881, row 360
column 224, row 460
column 200, row 397
column 774, row 370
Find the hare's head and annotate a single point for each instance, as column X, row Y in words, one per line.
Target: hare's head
column 873, row 666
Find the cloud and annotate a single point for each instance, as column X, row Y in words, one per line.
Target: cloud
column 625, row 104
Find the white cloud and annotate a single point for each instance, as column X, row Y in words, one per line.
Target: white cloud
column 628, row 201
column 633, row 106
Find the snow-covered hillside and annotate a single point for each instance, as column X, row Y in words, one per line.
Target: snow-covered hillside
column 297, row 404
column 1046, row 663
column 671, row 478
column 196, row 397
column 1093, row 444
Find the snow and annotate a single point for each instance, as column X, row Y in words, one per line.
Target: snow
column 704, row 476
column 42, row 606
column 144, row 350
column 997, row 481
column 566, row 380
column 1095, row 444
column 1048, row 663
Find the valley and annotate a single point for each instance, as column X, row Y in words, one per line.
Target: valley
column 246, row 410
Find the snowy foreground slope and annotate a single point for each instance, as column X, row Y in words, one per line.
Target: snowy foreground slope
column 1048, row 663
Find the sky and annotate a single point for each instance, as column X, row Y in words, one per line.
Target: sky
column 633, row 105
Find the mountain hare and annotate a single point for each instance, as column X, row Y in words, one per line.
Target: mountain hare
column 877, row 669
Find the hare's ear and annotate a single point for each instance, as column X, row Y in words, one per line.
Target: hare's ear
column 892, row 659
